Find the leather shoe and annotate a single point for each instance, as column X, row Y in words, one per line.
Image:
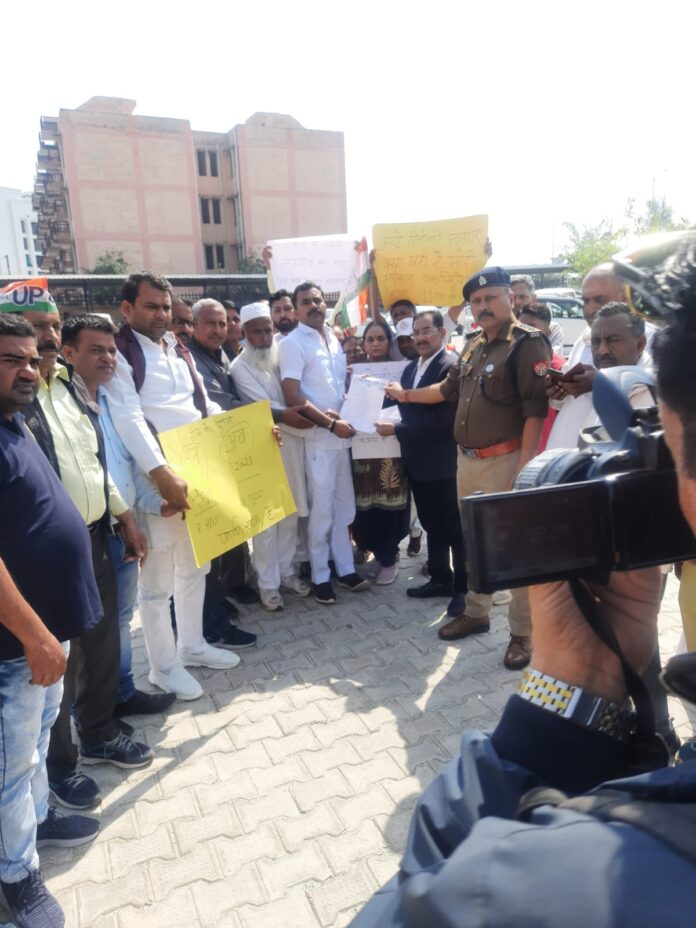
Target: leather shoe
column 141, row 703
column 430, row 589
column 519, row 652
column 462, row 627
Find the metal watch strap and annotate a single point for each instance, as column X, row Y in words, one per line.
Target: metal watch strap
column 573, row 703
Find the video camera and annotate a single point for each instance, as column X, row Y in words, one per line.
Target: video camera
column 613, row 505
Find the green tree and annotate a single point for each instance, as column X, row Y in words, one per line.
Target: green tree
column 252, row 264
column 590, row 245
column 657, row 216
column 111, row 262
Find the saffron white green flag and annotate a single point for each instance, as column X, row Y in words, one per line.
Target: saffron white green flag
column 27, row 296
column 351, row 308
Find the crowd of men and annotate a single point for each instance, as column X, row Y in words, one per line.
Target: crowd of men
column 92, row 509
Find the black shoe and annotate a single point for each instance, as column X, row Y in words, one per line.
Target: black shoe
column 60, row 830
column 457, row 605
column 141, row 703
column 75, row 790
column 124, row 727
column 231, row 611
column 324, row 593
column 120, row 751
column 243, row 594
column 679, row 676
column 305, row 570
column 430, row 589
column 231, row 637
column 353, row 582
column 31, row 905
column 414, row 545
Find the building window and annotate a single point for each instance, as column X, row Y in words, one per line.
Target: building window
column 213, row 163
column 220, row 256
column 232, row 154
column 209, row 258
column 34, row 228
column 202, row 166
column 25, row 243
column 27, row 258
column 217, row 218
column 205, row 210
column 24, row 226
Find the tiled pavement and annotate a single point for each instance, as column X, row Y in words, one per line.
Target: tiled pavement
column 283, row 796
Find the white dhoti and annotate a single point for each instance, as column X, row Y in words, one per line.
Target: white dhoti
column 331, row 509
column 170, row 569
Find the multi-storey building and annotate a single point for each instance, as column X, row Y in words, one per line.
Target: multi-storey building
column 178, row 200
column 18, row 227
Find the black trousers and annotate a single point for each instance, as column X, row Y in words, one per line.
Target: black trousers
column 91, row 679
column 438, row 511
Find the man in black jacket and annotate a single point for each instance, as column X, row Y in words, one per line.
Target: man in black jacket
column 429, row 453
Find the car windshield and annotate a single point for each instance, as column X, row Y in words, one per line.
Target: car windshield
column 565, row 309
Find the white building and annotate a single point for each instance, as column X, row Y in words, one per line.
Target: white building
column 18, row 227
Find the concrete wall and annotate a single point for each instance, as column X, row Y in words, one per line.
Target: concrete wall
column 132, row 188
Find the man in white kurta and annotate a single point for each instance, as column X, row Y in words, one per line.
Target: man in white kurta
column 256, row 376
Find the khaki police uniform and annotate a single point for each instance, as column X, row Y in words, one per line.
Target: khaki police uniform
column 496, row 384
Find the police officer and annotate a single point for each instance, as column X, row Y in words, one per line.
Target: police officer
column 498, row 385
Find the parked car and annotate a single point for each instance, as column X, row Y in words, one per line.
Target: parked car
column 567, row 311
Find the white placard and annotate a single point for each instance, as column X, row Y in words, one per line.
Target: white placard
column 364, row 445
column 326, row 260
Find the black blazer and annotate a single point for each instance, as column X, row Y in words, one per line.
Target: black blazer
column 426, row 433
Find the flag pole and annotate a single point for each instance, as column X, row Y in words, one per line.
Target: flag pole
column 373, row 291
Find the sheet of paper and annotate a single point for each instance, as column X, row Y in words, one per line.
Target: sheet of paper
column 363, row 404
column 327, row 260
column 428, row 262
column 380, row 370
column 365, row 445
column 236, row 478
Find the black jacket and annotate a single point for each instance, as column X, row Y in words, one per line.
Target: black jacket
column 425, row 433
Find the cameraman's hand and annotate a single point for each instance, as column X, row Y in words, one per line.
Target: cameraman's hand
column 565, row 646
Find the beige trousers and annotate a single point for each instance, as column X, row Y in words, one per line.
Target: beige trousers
column 493, row 475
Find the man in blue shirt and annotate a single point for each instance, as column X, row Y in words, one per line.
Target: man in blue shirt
column 45, row 561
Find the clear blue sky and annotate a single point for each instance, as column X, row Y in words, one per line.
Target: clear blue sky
column 535, row 113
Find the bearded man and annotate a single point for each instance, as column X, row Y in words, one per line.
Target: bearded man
column 256, row 376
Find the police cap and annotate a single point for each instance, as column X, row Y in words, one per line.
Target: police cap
column 488, row 277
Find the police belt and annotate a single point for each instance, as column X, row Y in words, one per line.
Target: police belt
column 492, row 451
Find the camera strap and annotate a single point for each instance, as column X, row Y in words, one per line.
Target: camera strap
column 647, row 750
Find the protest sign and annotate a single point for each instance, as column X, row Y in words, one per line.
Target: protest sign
column 235, row 474
column 365, row 445
column 325, row 260
column 428, row 262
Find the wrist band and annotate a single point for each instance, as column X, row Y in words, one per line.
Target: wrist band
column 332, row 425
column 573, row 703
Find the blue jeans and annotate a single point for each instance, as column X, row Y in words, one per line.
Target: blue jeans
column 26, row 715
column 126, row 593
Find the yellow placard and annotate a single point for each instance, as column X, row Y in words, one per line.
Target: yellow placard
column 428, row 262
column 235, row 475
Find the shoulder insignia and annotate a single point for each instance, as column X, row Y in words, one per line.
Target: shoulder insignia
column 520, row 330
column 540, row 368
column 474, row 334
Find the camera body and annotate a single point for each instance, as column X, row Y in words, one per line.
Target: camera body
column 612, row 505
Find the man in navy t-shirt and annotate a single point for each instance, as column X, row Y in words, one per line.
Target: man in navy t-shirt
column 45, row 561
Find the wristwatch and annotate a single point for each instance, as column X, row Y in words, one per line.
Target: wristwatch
column 577, row 706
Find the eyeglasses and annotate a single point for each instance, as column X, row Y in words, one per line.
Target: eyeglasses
column 427, row 330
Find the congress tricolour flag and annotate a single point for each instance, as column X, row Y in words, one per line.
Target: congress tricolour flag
column 27, row 296
column 351, row 308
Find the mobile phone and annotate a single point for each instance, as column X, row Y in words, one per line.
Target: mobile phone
column 567, row 375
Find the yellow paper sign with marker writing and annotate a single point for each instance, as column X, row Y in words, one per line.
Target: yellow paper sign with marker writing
column 428, row 262
column 235, row 475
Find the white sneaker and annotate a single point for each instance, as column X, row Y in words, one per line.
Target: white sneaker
column 502, row 597
column 177, row 681
column 271, row 600
column 386, row 575
column 293, row 584
column 208, row 656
